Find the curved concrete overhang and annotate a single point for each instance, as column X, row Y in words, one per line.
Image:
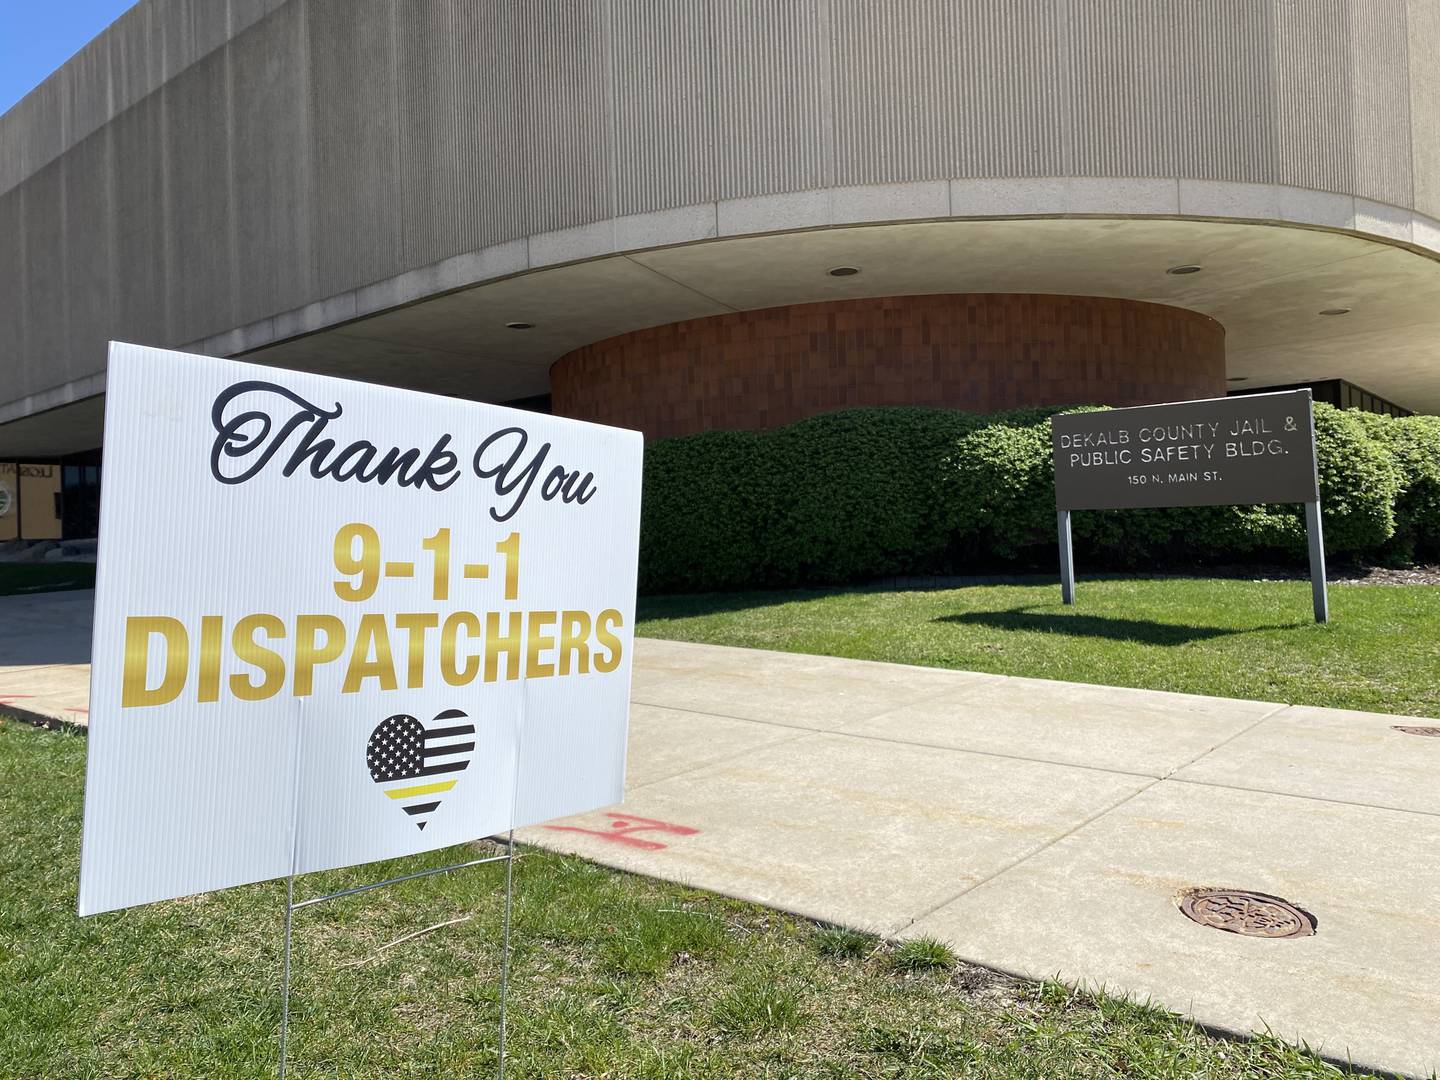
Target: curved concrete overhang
column 257, row 177
column 1272, row 259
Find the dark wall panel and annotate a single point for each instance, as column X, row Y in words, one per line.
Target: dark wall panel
column 987, row 352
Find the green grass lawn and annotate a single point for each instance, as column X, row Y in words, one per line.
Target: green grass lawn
column 614, row 976
column 1231, row 638
column 21, row 578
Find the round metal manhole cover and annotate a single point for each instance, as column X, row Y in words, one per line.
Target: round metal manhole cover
column 1250, row 914
column 1435, row 731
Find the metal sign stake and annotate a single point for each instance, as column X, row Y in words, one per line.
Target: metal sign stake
column 285, row 979
column 297, row 735
column 291, row 907
column 1067, row 558
column 1316, row 537
column 505, row 943
column 298, row 742
column 509, row 858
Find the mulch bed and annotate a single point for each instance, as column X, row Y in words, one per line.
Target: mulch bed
column 1369, row 575
column 1335, row 575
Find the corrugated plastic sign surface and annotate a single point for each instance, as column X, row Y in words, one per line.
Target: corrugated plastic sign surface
column 337, row 622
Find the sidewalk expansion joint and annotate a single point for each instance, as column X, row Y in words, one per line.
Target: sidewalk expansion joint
column 1110, row 809
column 801, row 733
column 1304, row 798
column 841, row 733
column 1030, row 854
column 1227, row 740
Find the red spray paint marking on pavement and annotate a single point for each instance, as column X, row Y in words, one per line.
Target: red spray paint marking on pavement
column 623, row 826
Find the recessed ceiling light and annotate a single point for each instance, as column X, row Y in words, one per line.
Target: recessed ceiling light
column 1336, row 311
column 843, row 271
column 519, row 326
column 1188, row 268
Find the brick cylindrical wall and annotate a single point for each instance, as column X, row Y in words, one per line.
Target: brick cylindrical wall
column 983, row 352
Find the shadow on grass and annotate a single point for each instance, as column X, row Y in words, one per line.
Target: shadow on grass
column 1097, row 626
column 687, row 605
column 22, row 579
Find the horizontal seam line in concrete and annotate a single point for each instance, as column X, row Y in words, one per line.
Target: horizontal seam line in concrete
column 1223, row 293
column 1277, row 710
column 966, row 693
column 973, row 678
column 893, row 665
column 800, row 733
column 1304, row 798
column 1136, row 794
column 630, row 257
column 1095, row 817
column 906, row 742
column 1123, row 690
column 341, row 331
column 966, row 680
column 927, row 912
column 1174, row 775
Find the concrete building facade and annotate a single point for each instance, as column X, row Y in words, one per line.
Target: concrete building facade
column 650, row 209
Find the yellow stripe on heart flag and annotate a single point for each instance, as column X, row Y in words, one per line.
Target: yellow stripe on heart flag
column 421, row 789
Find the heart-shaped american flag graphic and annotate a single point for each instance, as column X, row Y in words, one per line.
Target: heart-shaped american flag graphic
column 415, row 763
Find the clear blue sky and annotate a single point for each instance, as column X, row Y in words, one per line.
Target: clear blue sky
column 37, row 36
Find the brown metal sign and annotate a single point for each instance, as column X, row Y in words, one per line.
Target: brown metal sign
column 1256, row 448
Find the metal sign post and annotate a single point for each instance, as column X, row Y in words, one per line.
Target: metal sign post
column 1067, row 559
column 1315, row 536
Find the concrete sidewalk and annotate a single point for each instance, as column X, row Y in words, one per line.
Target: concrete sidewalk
column 1048, row 828
column 1043, row 828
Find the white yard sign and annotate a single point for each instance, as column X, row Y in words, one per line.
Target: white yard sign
column 337, row 622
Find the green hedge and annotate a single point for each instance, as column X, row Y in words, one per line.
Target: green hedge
column 1414, row 446
column 866, row 493
column 826, row 499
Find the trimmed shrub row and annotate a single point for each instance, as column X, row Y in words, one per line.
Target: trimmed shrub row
column 866, row 493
